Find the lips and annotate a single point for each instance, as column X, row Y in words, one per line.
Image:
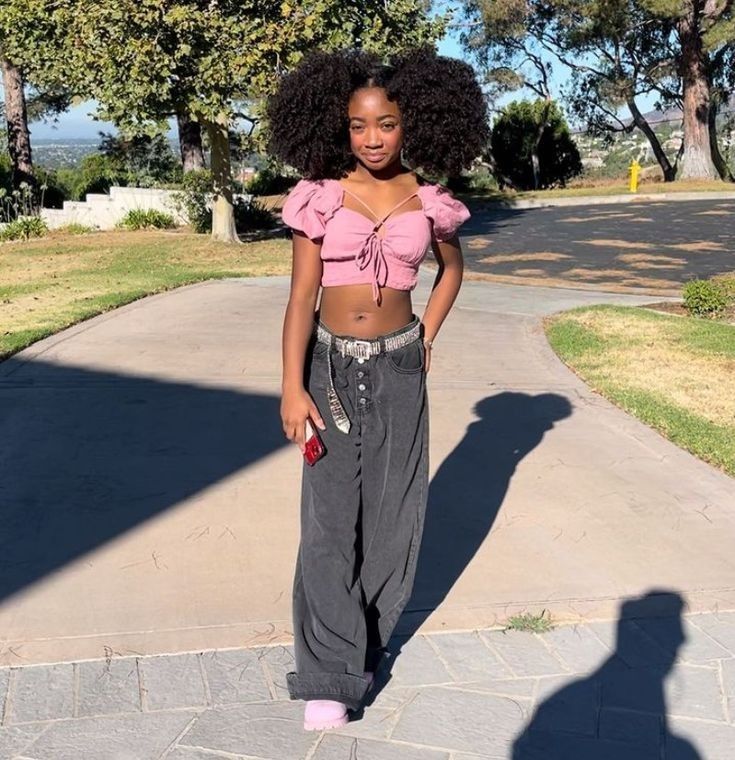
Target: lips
column 375, row 156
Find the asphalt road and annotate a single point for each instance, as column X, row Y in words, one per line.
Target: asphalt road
column 654, row 246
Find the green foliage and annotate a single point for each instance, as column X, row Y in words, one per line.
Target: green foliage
column 96, row 174
column 253, row 216
column 147, row 161
column 514, row 139
column 527, row 621
column 269, row 181
column 704, row 298
column 141, row 219
column 23, row 228
column 727, row 283
column 193, row 202
column 18, row 203
column 75, row 228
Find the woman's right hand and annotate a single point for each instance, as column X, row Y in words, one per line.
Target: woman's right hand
column 296, row 407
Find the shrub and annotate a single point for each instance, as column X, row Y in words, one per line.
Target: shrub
column 75, row 228
column 253, row 216
column 269, row 181
column 704, row 298
column 727, row 283
column 96, row 174
column 193, row 200
column 140, row 219
column 24, row 227
column 514, row 137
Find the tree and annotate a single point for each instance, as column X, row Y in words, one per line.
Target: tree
column 618, row 50
column 613, row 52
column 26, row 47
column 705, row 31
column 144, row 62
column 19, row 138
column 526, row 160
column 144, row 159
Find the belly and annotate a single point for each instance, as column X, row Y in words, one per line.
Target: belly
column 350, row 310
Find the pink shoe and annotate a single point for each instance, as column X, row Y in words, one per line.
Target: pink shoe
column 321, row 714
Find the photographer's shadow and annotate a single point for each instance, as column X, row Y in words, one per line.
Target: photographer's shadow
column 619, row 710
column 467, row 492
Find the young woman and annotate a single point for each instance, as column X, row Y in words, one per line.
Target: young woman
column 355, row 368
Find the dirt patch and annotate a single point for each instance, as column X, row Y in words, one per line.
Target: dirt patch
column 713, row 212
column 596, row 217
column 630, row 285
column 614, row 243
column 699, row 245
column 649, row 258
column 477, row 243
column 622, row 275
column 502, row 258
column 529, row 272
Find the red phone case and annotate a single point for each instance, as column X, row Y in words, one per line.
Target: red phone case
column 314, row 448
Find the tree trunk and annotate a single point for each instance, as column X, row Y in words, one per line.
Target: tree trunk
column 696, row 161
column 641, row 122
column 535, row 162
column 720, row 164
column 190, row 142
column 19, row 138
column 223, row 213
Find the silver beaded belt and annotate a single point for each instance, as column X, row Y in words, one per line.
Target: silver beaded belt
column 359, row 349
column 364, row 349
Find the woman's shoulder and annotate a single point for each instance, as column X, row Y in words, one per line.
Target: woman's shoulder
column 446, row 212
column 310, row 204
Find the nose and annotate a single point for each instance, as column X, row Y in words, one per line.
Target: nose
column 373, row 137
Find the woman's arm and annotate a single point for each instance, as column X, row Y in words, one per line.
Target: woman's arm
column 444, row 291
column 306, row 273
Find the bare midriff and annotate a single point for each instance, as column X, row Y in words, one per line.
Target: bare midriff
column 351, row 310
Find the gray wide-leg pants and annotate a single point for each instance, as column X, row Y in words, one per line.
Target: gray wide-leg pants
column 362, row 515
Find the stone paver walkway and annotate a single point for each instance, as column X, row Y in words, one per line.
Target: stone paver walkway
column 654, row 689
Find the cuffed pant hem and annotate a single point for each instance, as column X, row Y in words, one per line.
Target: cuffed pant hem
column 340, row 687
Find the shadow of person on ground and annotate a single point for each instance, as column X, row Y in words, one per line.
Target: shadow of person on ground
column 85, row 456
column 467, row 492
column 619, row 711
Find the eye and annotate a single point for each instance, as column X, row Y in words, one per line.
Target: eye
column 357, row 127
column 389, row 126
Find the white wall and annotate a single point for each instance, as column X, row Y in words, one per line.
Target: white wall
column 104, row 211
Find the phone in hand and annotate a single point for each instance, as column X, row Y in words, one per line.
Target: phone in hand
column 313, row 446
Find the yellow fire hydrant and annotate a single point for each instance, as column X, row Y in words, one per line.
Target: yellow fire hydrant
column 635, row 170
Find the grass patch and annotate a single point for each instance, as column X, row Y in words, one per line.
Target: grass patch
column 675, row 374
column 52, row 283
column 540, row 623
column 606, row 188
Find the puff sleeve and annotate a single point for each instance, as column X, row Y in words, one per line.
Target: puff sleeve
column 445, row 211
column 310, row 205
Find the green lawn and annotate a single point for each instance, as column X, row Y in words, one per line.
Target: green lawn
column 50, row 283
column 675, row 374
column 604, row 188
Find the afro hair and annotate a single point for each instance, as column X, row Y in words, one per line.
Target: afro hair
column 443, row 109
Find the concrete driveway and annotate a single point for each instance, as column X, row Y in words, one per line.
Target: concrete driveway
column 149, row 501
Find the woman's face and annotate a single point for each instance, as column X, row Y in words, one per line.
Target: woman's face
column 376, row 134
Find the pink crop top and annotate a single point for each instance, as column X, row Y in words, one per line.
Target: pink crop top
column 353, row 249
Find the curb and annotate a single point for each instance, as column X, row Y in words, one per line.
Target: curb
column 600, row 200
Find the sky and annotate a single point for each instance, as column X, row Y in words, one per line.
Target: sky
column 79, row 123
